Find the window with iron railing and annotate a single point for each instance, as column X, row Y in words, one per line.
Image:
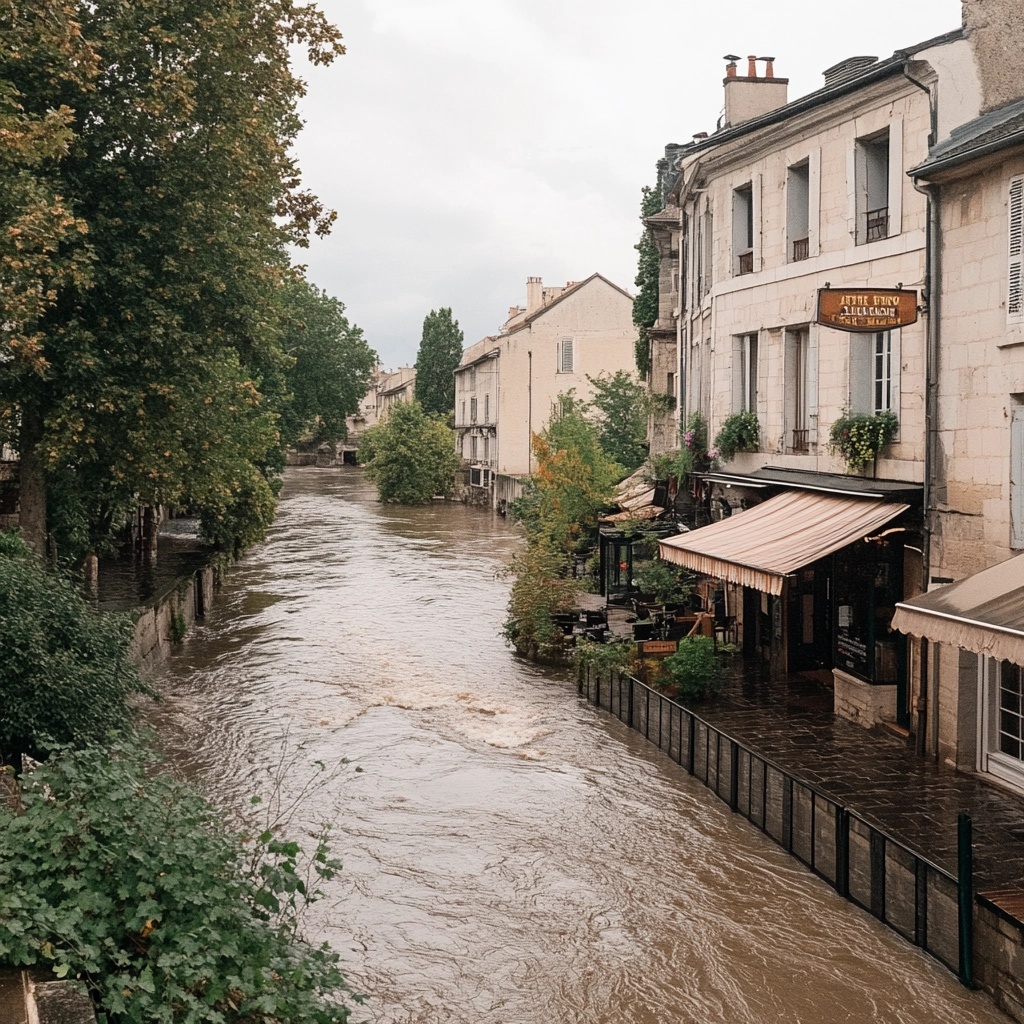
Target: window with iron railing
column 871, row 171
column 877, row 224
column 801, row 440
column 798, row 198
column 743, row 229
column 472, row 410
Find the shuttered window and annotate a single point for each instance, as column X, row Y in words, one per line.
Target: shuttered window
column 565, row 356
column 1015, row 290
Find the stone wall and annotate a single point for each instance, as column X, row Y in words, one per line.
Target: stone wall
column 166, row 619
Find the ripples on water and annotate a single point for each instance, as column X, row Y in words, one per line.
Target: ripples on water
column 510, row 854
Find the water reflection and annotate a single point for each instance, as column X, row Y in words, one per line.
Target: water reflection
column 510, row 854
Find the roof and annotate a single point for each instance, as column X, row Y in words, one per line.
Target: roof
column 760, row 547
column 874, row 72
column 983, row 613
column 992, row 132
column 827, row 483
column 537, row 313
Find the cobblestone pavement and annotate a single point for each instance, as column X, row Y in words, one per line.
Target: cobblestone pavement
column 874, row 773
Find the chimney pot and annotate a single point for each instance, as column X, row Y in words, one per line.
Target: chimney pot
column 769, row 71
column 751, row 66
column 730, row 67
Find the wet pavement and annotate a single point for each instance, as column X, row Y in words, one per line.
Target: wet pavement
column 875, row 773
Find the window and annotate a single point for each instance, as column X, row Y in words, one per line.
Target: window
column 801, row 375
column 472, row 447
column 877, row 183
column 1003, row 748
column 487, row 446
column 472, row 410
column 798, row 197
column 487, row 408
column 472, row 378
column 743, row 229
column 670, row 385
column 744, row 373
column 703, row 245
column 565, row 356
column 875, row 372
column 1015, row 277
column 462, row 413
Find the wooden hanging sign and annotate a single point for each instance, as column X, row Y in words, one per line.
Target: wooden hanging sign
column 866, row 309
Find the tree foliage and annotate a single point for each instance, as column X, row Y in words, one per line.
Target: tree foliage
column 331, row 365
column 645, row 304
column 411, row 456
column 622, row 405
column 65, row 673
column 439, row 354
column 172, row 157
column 117, row 874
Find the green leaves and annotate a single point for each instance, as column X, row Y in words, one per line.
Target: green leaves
column 439, row 354
column 411, row 456
column 64, row 675
column 859, row 438
column 174, row 921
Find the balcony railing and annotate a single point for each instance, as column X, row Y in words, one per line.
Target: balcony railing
column 801, row 249
column 878, row 224
column 801, row 440
column 747, row 262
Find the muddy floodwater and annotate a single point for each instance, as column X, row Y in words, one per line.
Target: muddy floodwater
column 510, row 854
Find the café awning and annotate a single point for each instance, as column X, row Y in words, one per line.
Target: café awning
column 983, row 613
column 761, row 546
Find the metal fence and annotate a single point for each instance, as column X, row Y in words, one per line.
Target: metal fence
column 921, row 901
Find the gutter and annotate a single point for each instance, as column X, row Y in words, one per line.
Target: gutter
column 932, row 279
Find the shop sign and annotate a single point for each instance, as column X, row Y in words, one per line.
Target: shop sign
column 866, row 309
column 659, row 647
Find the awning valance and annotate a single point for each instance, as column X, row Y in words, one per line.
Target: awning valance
column 759, row 547
column 983, row 613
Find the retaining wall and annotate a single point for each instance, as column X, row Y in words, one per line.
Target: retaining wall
column 166, row 618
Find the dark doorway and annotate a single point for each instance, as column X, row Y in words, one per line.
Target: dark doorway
column 810, row 619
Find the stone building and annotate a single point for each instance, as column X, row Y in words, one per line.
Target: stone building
column 971, row 620
column 508, row 383
column 802, row 301
column 393, row 387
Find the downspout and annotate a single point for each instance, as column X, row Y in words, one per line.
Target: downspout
column 529, row 412
column 932, row 285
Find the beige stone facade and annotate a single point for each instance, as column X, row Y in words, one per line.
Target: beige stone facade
column 394, row 386
column 784, row 200
column 508, row 383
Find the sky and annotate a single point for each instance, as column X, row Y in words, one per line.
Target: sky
column 469, row 144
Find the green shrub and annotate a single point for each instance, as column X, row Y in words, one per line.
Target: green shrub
column 65, row 674
column 695, row 670
column 859, row 439
column 740, row 433
column 118, row 875
column 662, row 581
column 603, row 658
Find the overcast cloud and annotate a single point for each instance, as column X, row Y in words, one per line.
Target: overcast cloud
column 469, row 144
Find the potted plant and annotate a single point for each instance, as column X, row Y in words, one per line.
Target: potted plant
column 740, row 433
column 859, row 438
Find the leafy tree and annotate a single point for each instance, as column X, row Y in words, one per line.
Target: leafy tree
column 119, row 875
column 331, row 369
column 180, row 165
column 622, row 405
column 65, row 673
column 440, row 353
column 645, row 304
column 411, row 456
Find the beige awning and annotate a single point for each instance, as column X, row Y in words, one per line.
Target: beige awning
column 983, row 613
column 759, row 547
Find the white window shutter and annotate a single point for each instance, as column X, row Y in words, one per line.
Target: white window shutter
column 812, row 385
column 1017, row 479
column 895, row 176
column 1015, row 276
column 565, row 360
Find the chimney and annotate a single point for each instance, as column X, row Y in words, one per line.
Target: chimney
column 993, row 29
column 534, row 294
column 752, row 95
column 847, row 69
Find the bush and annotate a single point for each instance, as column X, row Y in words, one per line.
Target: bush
column 662, row 581
column 859, row 439
column 617, row 656
column 128, row 880
column 740, row 433
column 65, row 675
column 695, row 669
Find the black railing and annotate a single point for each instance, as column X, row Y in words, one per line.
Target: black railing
column 801, row 249
column 801, row 440
column 746, row 262
column 924, row 903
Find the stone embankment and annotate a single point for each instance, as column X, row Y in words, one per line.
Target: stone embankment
column 25, row 999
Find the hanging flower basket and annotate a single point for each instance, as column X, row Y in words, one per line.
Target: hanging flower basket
column 859, row 439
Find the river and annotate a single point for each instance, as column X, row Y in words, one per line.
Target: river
column 510, row 854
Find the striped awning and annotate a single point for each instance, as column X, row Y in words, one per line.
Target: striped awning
column 761, row 546
column 983, row 613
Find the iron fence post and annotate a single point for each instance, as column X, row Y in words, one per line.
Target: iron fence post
column 965, row 895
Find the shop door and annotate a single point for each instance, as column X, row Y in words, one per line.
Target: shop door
column 810, row 619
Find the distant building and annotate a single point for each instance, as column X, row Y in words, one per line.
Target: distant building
column 393, row 387
column 508, row 383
